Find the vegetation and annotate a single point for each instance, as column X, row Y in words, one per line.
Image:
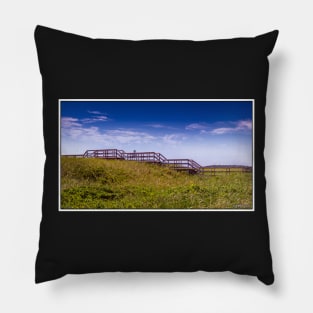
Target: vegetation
column 102, row 184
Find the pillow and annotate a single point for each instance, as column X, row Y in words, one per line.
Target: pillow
column 154, row 155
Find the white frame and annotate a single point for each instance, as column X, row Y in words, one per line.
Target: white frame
column 151, row 210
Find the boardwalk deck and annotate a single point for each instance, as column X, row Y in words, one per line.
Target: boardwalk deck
column 153, row 157
column 186, row 165
column 105, row 154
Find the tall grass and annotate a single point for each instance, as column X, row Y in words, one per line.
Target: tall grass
column 103, row 184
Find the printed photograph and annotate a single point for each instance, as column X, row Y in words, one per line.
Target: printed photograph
column 156, row 155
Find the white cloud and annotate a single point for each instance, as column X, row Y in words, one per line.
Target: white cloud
column 67, row 122
column 100, row 118
column 196, row 126
column 73, row 132
column 160, row 126
column 76, row 138
column 239, row 126
column 173, row 139
column 80, row 132
column 157, row 125
column 245, row 124
column 94, row 112
column 220, row 128
column 128, row 136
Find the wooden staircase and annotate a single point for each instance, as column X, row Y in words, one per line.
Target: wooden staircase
column 187, row 165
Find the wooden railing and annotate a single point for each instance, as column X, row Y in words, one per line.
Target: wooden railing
column 105, row 154
column 187, row 165
column 153, row 157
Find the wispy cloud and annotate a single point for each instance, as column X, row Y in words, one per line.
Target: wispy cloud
column 72, row 121
column 220, row 128
column 94, row 112
column 73, row 130
column 173, row 139
column 128, row 136
column 67, row 122
column 160, row 126
column 99, row 118
column 245, row 124
column 240, row 126
column 196, row 126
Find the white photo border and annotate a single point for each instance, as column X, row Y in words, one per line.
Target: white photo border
column 154, row 210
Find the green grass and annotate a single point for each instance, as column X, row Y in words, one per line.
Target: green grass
column 222, row 169
column 102, row 184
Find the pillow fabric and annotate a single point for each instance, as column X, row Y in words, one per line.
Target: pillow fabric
column 198, row 107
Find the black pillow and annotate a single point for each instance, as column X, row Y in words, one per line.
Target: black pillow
column 196, row 199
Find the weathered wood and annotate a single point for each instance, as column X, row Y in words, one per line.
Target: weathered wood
column 187, row 165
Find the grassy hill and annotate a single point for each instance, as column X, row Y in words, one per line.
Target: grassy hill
column 100, row 184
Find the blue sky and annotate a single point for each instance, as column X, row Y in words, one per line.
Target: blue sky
column 210, row 132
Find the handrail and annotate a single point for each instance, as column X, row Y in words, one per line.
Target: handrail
column 153, row 157
column 185, row 164
column 105, row 153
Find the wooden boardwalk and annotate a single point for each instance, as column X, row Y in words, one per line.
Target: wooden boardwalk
column 187, row 165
